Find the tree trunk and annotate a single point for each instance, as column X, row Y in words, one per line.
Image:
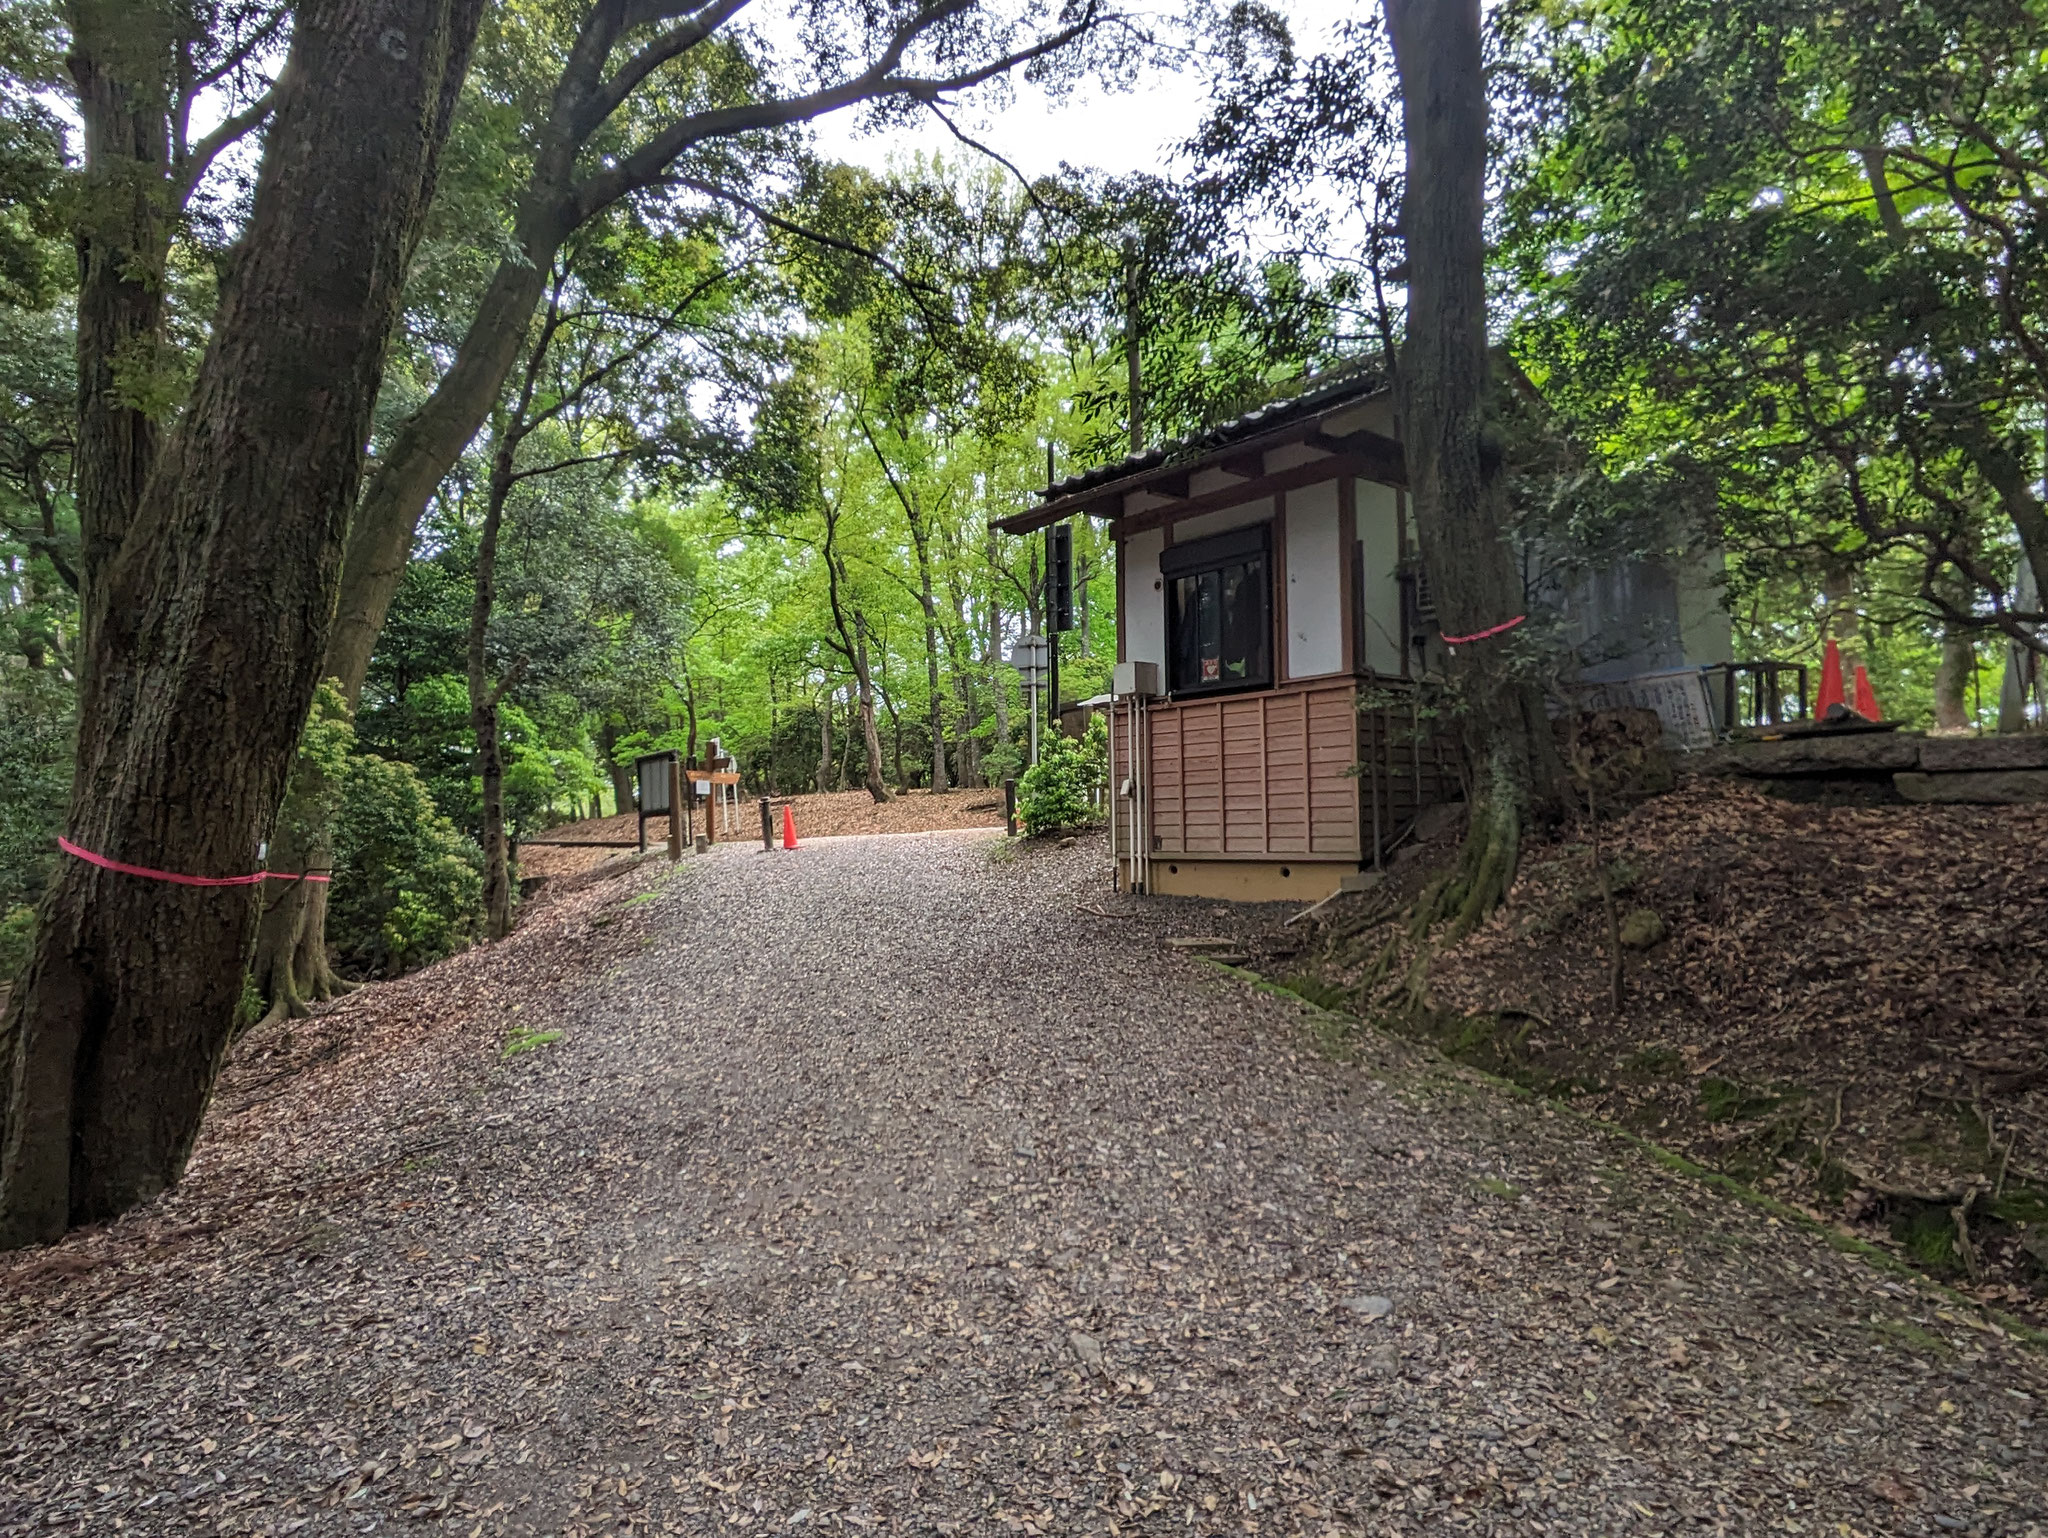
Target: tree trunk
column 999, row 691
column 870, row 739
column 122, row 59
column 117, row 1030
column 484, row 695
column 931, row 651
column 967, row 745
column 621, row 774
column 1453, row 467
column 825, row 742
column 1952, row 680
column 291, row 969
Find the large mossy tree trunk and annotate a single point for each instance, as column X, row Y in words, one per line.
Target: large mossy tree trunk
column 217, row 609
column 1454, row 462
column 121, row 61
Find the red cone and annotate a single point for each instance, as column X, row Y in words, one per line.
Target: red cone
column 1866, row 697
column 788, row 827
column 1830, row 682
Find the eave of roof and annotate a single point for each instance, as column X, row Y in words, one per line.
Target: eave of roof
column 1277, row 421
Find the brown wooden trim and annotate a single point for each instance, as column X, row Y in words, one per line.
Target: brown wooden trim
column 1365, row 444
column 1292, row 686
column 1347, row 567
column 1106, row 500
column 1281, row 672
column 1265, row 773
column 1217, row 857
column 1315, row 471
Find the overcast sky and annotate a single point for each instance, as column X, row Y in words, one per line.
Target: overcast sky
column 1114, row 131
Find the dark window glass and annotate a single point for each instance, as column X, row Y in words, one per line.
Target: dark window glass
column 1220, row 615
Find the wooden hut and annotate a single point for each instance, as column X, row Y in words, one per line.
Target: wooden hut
column 1273, row 625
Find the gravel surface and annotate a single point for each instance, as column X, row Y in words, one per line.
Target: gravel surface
column 915, row 1185
column 835, row 814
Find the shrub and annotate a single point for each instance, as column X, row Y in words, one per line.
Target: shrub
column 1057, row 791
column 408, row 887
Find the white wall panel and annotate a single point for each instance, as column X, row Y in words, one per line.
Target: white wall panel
column 1379, row 536
column 1144, row 632
column 1315, row 575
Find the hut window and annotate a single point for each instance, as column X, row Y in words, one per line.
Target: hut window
column 1220, row 612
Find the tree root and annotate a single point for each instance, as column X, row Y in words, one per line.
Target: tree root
column 1451, row 906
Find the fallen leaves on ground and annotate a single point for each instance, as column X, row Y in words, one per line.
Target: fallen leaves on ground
column 1845, row 1005
column 941, row 1205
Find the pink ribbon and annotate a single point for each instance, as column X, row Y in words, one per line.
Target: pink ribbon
column 1481, row 635
column 164, row 875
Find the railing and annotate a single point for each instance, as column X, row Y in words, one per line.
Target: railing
column 1407, row 763
column 1755, row 694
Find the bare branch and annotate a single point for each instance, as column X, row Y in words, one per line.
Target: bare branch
column 646, row 165
column 672, row 44
column 1023, row 181
column 805, row 232
column 204, row 153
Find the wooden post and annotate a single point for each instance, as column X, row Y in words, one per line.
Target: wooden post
column 767, row 828
column 1010, row 805
column 675, row 808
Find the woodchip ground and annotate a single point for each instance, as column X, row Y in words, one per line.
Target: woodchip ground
column 913, row 1185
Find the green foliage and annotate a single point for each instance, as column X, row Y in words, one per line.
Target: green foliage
column 1055, row 793
column 1768, row 260
column 408, row 887
column 313, row 794
column 522, row 1041
column 35, row 780
column 17, row 940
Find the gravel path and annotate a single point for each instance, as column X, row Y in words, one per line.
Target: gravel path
column 883, row 1188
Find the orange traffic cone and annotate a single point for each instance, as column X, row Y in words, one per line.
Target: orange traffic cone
column 1830, row 682
column 1866, row 697
column 788, row 827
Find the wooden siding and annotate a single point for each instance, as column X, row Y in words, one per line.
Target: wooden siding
column 1255, row 776
column 1297, row 772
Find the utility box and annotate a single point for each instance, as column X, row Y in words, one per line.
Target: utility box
column 1135, row 678
column 650, row 773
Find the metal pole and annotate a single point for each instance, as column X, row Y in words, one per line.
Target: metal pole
column 767, row 828
column 1109, row 790
column 1052, row 676
column 1052, row 636
column 1034, row 720
column 675, row 808
column 1010, row 806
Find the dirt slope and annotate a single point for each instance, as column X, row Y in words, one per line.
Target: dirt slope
column 1847, row 1006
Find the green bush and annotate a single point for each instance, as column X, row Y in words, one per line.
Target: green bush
column 1056, row 792
column 408, row 887
column 35, row 779
column 17, row 940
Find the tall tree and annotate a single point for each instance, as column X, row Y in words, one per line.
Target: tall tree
column 115, row 1034
column 1453, row 457
column 1793, row 246
column 139, row 72
column 606, row 98
column 660, row 99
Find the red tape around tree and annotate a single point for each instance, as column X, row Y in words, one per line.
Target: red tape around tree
column 164, row 875
column 1481, row 635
